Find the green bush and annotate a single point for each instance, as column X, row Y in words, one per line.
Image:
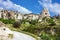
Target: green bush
column 30, row 29
column 16, row 24
column 24, row 20
column 33, row 22
column 45, row 36
column 51, row 22
column 7, row 21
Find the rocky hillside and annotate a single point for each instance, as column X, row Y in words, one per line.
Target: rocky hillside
column 7, row 34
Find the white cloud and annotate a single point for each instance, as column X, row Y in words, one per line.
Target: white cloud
column 10, row 5
column 1, row 8
column 53, row 7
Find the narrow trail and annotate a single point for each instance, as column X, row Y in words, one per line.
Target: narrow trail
column 21, row 36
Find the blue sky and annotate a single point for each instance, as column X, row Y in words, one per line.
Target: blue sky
column 31, row 6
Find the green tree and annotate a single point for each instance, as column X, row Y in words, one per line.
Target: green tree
column 16, row 24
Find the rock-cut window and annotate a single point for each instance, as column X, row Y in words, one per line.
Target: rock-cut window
column 4, row 29
column 9, row 14
column 45, row 13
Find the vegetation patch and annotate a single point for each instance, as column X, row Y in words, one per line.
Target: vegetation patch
column 10, row 36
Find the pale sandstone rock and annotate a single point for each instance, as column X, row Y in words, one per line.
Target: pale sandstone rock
column 4, row 32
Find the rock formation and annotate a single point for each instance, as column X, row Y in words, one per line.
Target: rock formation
column 5, row 32
column 18, row 16
column 45, row 13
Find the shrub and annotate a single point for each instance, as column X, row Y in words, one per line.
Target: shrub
column 16, row 24
column 45, row 36
column 10, row 36
column 52, row 23
column 24, row 20
column 33, row 22
column 7, row 21
column 29, row 29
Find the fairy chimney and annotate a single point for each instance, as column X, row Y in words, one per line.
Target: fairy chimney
column 45, row 13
